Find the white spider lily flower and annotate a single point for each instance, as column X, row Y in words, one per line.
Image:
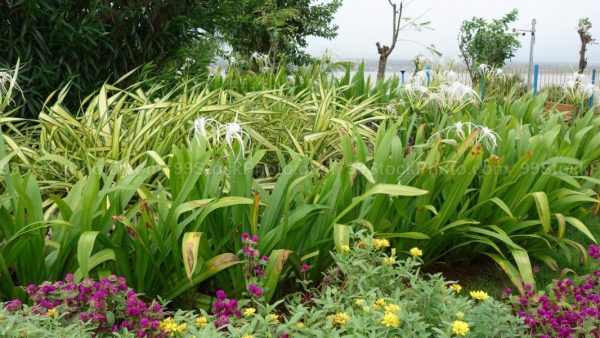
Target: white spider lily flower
column 483, row 68
column 488, row 137
column 233, row 132
column 457, row 92
column 499, row 72
column 233, row 61
column 587, row 90
column 200, row 125
column 458, row 129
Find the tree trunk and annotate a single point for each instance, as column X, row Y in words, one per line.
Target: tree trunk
column 381, row 69
column 582, row 58
column 384, row 52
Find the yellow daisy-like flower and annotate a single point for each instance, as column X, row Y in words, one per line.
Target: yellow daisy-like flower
column 366, row 309
column 181, row 328
column 479, row 295
column 341, row 318
column 345, row 248
column 247, row 336
column 389, row 260
column 416, row 252
column 390, row 320
column 249, row 312
column 392, row 308
column 359, row 302
column 380, row 302
column 460, row 328
column 456, row 287
column 169, row 325
column 300, row 325
column 51, row 312
column 273, row 318
column 460, row 315
column 201, row 321
column 380, row 243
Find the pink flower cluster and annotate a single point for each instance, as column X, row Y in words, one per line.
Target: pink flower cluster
column 224, row 308
column 594, row 251
column 570, row 309
column 252, row 254
column 91, row 301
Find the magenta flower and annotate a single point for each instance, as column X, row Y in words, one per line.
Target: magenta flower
column 255, row 290
column 304, row 267
column 14, row 305
column 221, row 295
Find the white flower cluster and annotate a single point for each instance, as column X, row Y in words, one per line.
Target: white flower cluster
column 579, row 84
column 232, row 131
column 456, row 92
column 486, row 135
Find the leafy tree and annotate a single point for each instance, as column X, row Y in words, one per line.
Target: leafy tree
column 278, row 28
column 490, row 43
column 88, row 42
column 583, row 29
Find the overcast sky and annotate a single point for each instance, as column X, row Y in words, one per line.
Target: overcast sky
column 363, row 22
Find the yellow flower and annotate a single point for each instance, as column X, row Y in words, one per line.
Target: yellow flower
column 392, row 308
column 380, row 243
column 181, row 328
column 460, row 315
column 389, row 260
column 51, row 312
column 169, row 325
column 201, row 321
column 273, row 318
column 299, row 325
column 390, row 320
column 379, row 302
column 456, row 287
column 359, row 302
column 345, row 248
column 416, row 252
column 366, row 309
column 460, row 328
column 249, row 312
column 341, row 318
column 479, row 295
column 247, row 336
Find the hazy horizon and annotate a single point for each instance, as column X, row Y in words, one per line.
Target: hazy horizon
column 362, row 23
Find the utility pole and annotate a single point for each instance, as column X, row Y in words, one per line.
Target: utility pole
column 532, row 31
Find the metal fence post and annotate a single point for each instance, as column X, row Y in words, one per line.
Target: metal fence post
column 536, row 70
column 428, row 75
column 402, row 72
column 591, row 103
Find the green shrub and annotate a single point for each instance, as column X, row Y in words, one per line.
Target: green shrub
column 364, row 295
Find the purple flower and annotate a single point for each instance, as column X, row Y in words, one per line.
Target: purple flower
column 221, row 295
column 304, row 267
column 31, row 289
column 69, row 278
column 255, row 290
column 14, row 305
column 245, row 236
column 594, row 251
